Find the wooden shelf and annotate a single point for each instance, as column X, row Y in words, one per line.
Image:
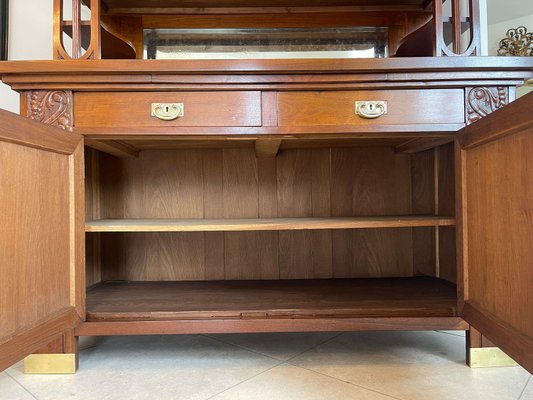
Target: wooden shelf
column 345, row 298
column 274, row 224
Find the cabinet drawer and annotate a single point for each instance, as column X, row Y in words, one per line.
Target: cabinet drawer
column 431, row 106
column 125, row 109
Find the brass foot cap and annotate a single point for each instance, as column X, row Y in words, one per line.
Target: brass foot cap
column 490, row 357
column 50, row 364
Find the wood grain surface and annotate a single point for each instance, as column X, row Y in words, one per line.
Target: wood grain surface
column 408, row 297
column 436, row 106
column 200, row 109
column 495, row 200
column 191, row 209
column 41, row 235
column 263, row 224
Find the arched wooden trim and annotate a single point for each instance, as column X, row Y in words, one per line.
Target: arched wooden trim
column 474, row 47
column 94, row 49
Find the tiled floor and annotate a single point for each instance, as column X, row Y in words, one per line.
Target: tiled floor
column 362, row 366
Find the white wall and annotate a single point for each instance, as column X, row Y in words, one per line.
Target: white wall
column 30, row 38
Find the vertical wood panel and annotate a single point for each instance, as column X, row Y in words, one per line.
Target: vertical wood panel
column 500, row 227
column 267, row 191
column 447, row 235
column 93, row 266
column 372, row 253
column 35, row 266
column 303, row 191
column 171, row 182
column 160, row 184
column 154, row 256
column 423, row 202
column 111, row 186
column 305, row 255
column 295, row 185
column 251, row 255
column 213, row 208
column 371, row 181
column 269, row 108
column 240, row 184
column 248, row 255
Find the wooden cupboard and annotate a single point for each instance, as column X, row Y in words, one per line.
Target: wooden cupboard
column 214, row 196
column 271, row 225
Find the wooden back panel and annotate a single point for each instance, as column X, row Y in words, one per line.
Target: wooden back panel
column 234, row 183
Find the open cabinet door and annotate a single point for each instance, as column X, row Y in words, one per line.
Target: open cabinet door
column 495, row 241
column 41, row 235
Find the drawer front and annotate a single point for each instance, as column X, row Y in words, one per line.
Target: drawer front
column 126, row 109
column 431, row 106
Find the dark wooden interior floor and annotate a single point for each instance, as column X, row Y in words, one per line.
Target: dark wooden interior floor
column 395, row 297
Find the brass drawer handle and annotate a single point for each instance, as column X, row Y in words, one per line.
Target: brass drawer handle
column 168, row 111
column 370, row 109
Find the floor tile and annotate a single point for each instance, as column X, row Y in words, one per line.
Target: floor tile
column 11, row 390
column 528, row 392
column 291, row 383
column 161, row 367
column 412, row 365
column 281, row 346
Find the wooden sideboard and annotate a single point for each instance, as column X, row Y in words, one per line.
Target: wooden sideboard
column 270, row 204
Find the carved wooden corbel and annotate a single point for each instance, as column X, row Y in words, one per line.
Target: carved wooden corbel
column 482, row 101
column 50, row 107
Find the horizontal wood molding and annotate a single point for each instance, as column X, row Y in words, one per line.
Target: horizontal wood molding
column 255, row 326
column 267, row 75
column 515, row 344
column 325, row 19
column 21, row 344
column 250, row 9
column 122, row 68
column 317, row 131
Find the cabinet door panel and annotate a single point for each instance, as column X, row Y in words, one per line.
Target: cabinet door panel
column 495, row 170
column 41, row 235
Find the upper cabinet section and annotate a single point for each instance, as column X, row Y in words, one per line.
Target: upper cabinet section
column 238, row 29
column 148, row 6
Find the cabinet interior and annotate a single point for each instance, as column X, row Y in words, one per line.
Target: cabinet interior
column 219, row 233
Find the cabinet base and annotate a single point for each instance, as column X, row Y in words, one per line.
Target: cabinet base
column 485, row 357
column 50, row 364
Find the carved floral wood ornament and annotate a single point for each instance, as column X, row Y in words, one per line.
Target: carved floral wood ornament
column 51, row 107
column 482, row 101
column 519, row 42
